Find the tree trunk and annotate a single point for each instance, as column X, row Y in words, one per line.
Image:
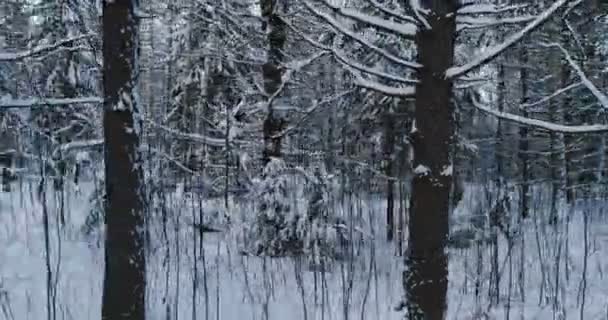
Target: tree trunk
column 389, row 151
column 272, row 72
column 426, row 279
column 523, row 137
column 124, row 284
column 568, row 139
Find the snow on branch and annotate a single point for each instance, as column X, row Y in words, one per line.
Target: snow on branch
column 8, row 103
column 601, row 98
column 465, row 22
column 350, row 63
column 402, row 29
column 15, row 56
column 540, row 124
column 494, row 51
column 78, row 145
column 349, row 33
column 391, row 13
column 551, row 96
column 487, row 8
column 211, row 141
column 405, row 92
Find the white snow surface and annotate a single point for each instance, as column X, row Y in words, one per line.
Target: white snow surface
column 240, row 287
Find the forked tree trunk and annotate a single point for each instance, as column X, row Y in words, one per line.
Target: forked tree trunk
column 426, row 279
column 124, row 284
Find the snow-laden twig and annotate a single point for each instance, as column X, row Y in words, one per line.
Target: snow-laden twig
column 401, row 29
column 349, row 63
column 211, row 141
column 292, row 67
column 349, row 33
column 540, row 124
column 385, row 89
column 601, row 97
column 481, row 8
column 15, row 56
column 551, row 96
column 466, row 22
column 9, row 103
column 78, row 144
column 419, row 12
column 391, row 13
column 496, row 50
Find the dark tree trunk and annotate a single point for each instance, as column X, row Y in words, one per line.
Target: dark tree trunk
column 568, row 139
column 272, row 72
column 523, row 137
column 426, row 279
column 124, row 284
column 389, row 151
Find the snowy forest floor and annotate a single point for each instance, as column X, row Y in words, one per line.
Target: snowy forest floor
column 551, row 272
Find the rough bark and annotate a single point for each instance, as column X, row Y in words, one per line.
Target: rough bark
column 427, row 276
column 124, row 284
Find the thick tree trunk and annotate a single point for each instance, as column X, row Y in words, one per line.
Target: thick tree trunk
column 272, row 72
column 124, row 284
column 426, row 279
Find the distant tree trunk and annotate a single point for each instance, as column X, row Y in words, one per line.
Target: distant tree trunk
column 556, row 139
column 426, row 279
column 568, row 139
column 389, row 151
column 272, row 72
column 124, row 284
column 523, row 137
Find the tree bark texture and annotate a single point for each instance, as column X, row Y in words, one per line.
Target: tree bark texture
column 426, row 279
column 124, row 283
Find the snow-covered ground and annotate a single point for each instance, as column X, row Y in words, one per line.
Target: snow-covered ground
column 556, row 274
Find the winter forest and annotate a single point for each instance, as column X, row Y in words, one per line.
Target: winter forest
column 303, row 159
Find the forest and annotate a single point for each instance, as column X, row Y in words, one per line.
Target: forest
column 303, row 159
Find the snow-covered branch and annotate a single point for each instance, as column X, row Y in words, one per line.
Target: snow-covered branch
column 494, row 51
column 403, row 92
column 216, row 142
column 15, row 56
column 540, row 124
column 480, row 8
column 391, row 13
column 349, row 33
column 407, row 30
column 466, row 22
column 9, row 103
column 350, row 63
column 601, row 97
column 77, row 145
